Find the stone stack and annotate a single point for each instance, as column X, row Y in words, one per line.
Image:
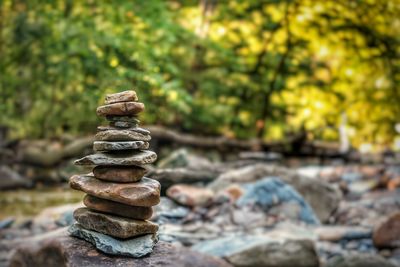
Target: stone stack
column 119, row 198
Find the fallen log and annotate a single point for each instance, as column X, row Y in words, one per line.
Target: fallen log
column 44, row 156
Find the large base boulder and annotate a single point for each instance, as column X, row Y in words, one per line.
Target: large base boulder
column 60, row 250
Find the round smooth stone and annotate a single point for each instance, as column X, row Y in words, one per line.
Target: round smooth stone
column 119, row 174
column 112, row 207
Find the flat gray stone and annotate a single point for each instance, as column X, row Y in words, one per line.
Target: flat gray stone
column 115, row 226
column 135, row 247
column 115, row 146
column 122, row 135
column 122, row 124
column 132, row 119
column 134, row 129
column 136, row 158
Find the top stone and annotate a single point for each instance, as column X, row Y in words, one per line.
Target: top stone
column 125, row 96
column 120, row 109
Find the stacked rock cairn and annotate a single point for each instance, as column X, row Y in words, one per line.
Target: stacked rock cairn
column 119, row 198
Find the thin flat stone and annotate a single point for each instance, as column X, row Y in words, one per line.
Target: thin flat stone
column 122, row 135
column 114, row 226
column 120, row 174
column 125, row 145
column 121, row 109
column 135, row 247
column 145, row 193
column 136, row 158
column 125, row 96
column 122, row 124
column 132, row 119
column 134, row 129
column 112, row 207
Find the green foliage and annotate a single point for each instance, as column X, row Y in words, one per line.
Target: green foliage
column 238, row 68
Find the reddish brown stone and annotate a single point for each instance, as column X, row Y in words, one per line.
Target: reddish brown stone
column 387, row 233
column 120, row 109
column 112, row 207
column 120, row 174
column 190, row 195
column 145, row 193
column 125, row 96
column 115, row 226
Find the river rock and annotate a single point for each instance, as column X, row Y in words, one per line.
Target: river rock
column 62, row 250
column 136, row 158
column 322, row 196
column 252, row 250
column 112, row 207
column 145, row 193
column 125, row 96
column 127, row 145
column 337, row 233
column 134, row 129
column 134, row 247
column 271, row 192
column 12, row 179
column 190, row 195
column 387, row 233
column 114, row 226
column 120, row 109
column 359, row 260
column 120, row 174
column 130, row 134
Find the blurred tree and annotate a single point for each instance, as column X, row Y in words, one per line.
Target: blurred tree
column 239, row 68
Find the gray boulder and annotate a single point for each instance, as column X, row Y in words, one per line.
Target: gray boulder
column 270, row 192
column 322, row 196
column 252, row 251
